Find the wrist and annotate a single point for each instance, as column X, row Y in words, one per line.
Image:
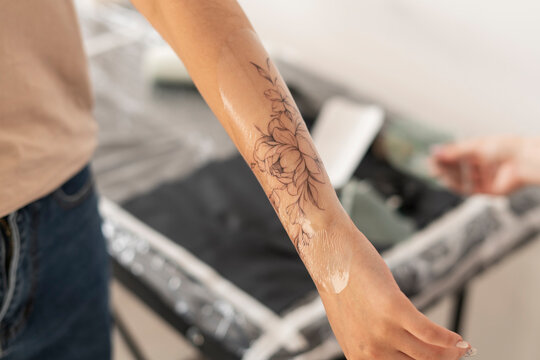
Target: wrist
column 329, row 255
column 336, row 221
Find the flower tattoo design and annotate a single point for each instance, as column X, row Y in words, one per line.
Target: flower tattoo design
column 284, row 152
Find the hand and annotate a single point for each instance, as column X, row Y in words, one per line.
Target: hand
column 490, row 165
column 372, row 319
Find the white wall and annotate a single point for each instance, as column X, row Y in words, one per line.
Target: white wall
column 470, row 66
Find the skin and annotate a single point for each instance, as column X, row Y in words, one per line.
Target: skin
column 370, row 316
column 494, row 165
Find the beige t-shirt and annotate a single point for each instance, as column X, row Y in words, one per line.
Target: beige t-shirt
column 47, row 132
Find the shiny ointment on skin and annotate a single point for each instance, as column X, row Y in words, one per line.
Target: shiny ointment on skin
column 263, row 113
column 328, row 259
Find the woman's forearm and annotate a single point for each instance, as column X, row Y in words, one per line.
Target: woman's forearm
column 370, row 316
column 244, row 89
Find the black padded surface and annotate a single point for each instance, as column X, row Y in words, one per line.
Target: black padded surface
column 221, row 214
column 420, row 201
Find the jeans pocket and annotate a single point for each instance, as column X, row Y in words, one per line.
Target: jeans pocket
column 10, row 261
column 77, row 189
column 18, row 276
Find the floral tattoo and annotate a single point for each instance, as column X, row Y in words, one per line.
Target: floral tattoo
column 284, row 152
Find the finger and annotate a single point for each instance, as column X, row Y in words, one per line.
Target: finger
column 417, row 349
column 451, row 153
column 468, row 174
column 424, row 329
column 393, row 355
column 467, row 178
column 482, row 176
column 444, row 171
column 402, row 356
column 505, row 181
column 453, row 183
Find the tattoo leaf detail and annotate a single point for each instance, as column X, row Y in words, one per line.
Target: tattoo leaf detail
column 284, row 151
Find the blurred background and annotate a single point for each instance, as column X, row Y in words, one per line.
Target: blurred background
column 453, row 69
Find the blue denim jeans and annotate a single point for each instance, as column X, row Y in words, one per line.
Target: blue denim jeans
column 54, row 274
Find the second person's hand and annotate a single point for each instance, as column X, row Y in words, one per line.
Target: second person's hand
column 495, row 165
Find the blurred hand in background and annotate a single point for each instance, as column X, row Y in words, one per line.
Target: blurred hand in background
column 495, row 165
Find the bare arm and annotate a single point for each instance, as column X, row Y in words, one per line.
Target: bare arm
column 371, row 318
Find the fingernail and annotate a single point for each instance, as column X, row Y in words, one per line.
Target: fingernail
column 463, row 344
column 471, row 352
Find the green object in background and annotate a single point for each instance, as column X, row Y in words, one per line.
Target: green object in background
column 377, row 219
column 407, row 146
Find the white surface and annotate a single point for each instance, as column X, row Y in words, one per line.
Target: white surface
column 161, row 64
column 343, row 132
column 503, row 317
column 469, row 66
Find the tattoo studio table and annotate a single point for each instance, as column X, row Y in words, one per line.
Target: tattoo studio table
column 225, row 321
column 192, row 235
